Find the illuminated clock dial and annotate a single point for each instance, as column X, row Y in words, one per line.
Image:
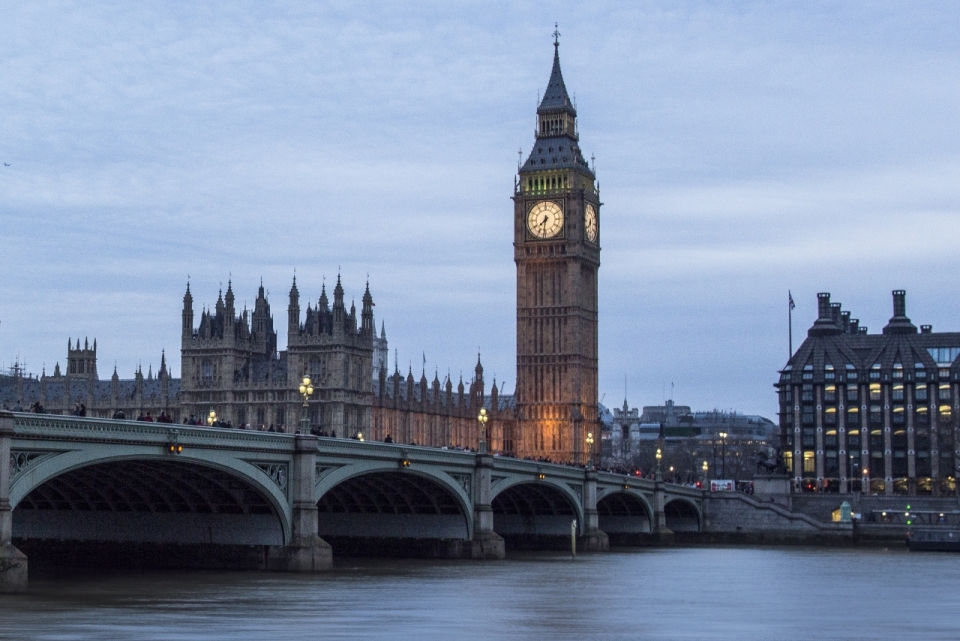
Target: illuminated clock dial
column 590, row 223
column 545, row 219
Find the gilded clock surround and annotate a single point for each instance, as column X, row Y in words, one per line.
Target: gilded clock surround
column 545, row 219
column 590, row 223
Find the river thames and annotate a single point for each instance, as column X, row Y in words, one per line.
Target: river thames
column 659, row 594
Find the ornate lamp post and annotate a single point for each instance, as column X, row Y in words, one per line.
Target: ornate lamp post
column 659, row 455
column 705, row 467
column 306, row 390
column 723, row 452
column 482, row 418
column 211, row 418
column 590, row 450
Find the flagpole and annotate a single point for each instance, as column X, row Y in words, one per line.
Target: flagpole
column 790, row 323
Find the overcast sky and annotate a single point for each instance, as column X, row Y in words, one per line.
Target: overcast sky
column 743, row 149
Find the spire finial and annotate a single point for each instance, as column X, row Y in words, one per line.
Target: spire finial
column 556, row 35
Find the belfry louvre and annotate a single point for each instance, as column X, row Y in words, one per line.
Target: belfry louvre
column 872, row 413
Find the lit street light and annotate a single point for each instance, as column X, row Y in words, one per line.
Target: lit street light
column 306, row 390
column 211, row 418
column 723, row 453
column 482, row 418
column 590, row 450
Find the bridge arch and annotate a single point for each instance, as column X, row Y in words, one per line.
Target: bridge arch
column 682, row 515
column 623, row 513
column 381, row 500
column 535, row 513
column 146, row 497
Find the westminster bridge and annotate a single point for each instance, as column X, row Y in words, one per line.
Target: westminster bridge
column 286, row 496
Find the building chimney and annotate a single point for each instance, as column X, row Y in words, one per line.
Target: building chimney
column 926, row 329
column 823, row 306
column 899, row 302
column 899, row 323
column 828, row 317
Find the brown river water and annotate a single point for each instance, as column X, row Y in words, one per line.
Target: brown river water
column 776, row 594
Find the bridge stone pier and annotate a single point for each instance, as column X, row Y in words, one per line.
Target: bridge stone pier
column 211, row 497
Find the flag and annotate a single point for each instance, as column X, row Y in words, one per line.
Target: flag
column 790, row 299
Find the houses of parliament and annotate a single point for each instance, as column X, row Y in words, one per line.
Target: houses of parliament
column 231, row 364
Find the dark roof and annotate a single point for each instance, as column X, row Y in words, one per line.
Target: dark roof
column 102, row 391
column 556, row 152
column 556, row 98
column 864, row 351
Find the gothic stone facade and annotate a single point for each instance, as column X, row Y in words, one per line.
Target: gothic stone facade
column 230, row 363
column 79, row 384
column 557, row 254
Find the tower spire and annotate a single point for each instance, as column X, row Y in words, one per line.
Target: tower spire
column 556, row 97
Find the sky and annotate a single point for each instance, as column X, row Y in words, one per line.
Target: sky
column 743, row 149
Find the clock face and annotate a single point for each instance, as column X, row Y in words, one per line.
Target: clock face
column 590, row 223
column 545, row 219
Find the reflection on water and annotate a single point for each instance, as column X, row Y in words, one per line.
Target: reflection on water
column 659, row 594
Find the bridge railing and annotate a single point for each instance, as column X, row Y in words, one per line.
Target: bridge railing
column 38, row 426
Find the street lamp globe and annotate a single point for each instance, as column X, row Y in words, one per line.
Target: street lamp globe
column 482, row 418
column 306, row 387
column 211, row 417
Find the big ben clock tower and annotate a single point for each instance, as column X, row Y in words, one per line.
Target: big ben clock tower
column 557, row 251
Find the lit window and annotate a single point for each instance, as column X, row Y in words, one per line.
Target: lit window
column 921, row 392
column 830, row 393
column 944, row 392
column 874, row 391
column 897, row 392
column 809, row 462
column 945, row 412
column 851, row 392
